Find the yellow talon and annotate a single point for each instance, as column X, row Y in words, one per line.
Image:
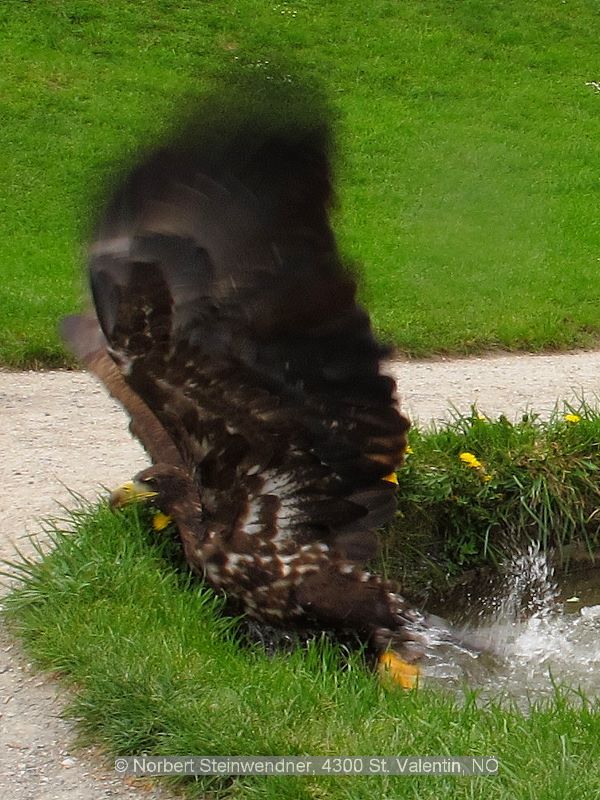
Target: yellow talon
column 160, row 521
column 396, row 670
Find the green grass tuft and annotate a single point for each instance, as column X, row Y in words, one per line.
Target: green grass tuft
column 533, row 481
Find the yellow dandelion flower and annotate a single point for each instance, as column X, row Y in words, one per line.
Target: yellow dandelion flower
column 572, row 418
column 160, row 521
column 409, row 451
column 470, row 460
column 481, row 416
column 486, row 478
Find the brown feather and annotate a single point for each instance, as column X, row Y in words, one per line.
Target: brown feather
column 232, row 335
column 85, row 338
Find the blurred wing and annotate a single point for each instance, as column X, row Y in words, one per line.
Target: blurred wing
column 84, row 337
column 225, row 305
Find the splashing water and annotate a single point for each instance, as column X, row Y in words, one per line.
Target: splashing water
column 529, row 587
column 541, row 635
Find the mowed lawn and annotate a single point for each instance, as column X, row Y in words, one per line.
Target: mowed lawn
column 468, row 134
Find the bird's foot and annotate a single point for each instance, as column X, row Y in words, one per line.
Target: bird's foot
column 395, row 670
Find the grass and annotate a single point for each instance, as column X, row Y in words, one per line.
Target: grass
column 153, row 667
column 479, row 490
column 468, row 182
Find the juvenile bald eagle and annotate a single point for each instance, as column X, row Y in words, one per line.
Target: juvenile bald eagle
column 227, row 325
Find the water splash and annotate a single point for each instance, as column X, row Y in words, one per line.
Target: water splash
column 539, row 638
column 529, row 589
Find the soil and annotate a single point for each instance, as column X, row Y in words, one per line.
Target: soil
column 60, row 434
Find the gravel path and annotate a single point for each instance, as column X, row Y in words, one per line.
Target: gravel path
column 60, row 432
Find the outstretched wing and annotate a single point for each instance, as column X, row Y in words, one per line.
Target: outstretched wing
column 225, row 304
column 83, row 335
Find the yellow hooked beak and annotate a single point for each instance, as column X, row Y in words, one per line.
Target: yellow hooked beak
column 135, row 492
column 130, row 492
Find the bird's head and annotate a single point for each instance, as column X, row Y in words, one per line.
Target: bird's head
column 169, row 489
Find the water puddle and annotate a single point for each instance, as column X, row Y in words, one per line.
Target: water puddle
column 535, row 633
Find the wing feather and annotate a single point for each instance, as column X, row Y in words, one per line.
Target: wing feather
column 85, row 338
column 229, row 312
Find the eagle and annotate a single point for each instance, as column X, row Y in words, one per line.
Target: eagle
column 226, row 323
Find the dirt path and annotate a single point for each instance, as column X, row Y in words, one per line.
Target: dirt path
column 59, row 432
